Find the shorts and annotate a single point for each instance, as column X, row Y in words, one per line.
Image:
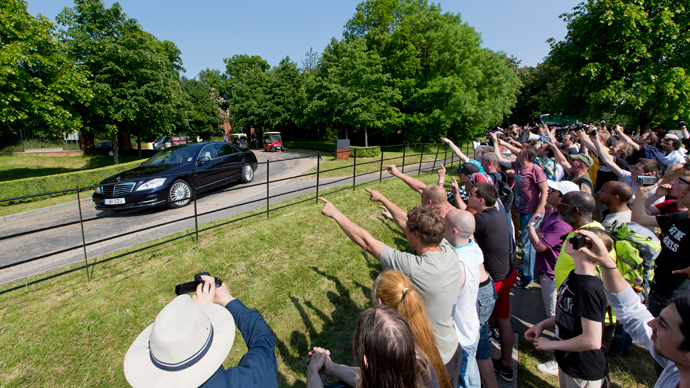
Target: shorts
column 486, row 298
column 502, row 308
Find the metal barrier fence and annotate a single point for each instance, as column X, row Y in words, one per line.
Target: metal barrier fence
column 319, row 185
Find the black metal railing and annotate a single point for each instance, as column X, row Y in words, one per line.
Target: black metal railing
column 317, row 189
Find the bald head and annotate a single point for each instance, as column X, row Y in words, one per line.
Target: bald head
column 620, row 189
column 459, row 226
column 434, row 195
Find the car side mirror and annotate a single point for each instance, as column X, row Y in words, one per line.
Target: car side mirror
column 203, row 159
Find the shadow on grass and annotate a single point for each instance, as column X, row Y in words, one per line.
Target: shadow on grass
column 335, row 332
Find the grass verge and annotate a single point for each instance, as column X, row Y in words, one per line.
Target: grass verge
column 298, row 269
column 19, row 167
column 332, row 168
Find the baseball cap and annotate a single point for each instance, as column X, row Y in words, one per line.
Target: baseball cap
column 563, row 186
column 467, row 169
column 586, row 159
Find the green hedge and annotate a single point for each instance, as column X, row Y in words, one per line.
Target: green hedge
column 362, row 152
column 310, row 145
column 58, row 182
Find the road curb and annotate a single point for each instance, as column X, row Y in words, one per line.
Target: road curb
column 41, row 210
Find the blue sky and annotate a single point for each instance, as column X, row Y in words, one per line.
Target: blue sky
column 206, row 31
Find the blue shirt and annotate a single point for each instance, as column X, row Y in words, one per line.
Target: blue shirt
column 258, row 367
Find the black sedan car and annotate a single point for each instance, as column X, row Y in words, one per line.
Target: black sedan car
column 168, row 176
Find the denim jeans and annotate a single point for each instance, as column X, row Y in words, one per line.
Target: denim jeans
column 528, row 251
column 486, row 299
column 469, row 371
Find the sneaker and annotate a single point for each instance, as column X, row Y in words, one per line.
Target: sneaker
column 548, row 368
column 504, row 372
column 521, row 284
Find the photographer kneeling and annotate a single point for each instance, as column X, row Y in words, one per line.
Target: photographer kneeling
column 191, row 337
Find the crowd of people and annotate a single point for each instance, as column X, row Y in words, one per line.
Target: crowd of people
column 535, row 205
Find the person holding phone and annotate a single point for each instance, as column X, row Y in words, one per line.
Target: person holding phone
column 579, row 319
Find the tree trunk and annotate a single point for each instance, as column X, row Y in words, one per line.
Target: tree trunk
column 366, row 139
column 116, row 160
column 645, row 123
column 139, row 143
column 346, row 132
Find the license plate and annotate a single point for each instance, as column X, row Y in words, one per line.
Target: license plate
column 115, row 201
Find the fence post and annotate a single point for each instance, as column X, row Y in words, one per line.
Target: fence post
column 381, row 169
column 268, row 196
column 354, row 172
column 21, row 137
column 403, row 163
column 83, row 238
column 445, row 154
column 435, row 159
column 196, row 218
column 421, row 157
column 318, row 172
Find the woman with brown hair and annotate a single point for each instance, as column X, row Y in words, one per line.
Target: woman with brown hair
column 385, row 350
column 395, row 290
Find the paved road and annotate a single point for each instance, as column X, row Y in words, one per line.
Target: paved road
column 63, row 245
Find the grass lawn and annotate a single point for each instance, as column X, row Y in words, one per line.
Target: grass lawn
column 298, row 269
column 332, row 168
column 20, row 167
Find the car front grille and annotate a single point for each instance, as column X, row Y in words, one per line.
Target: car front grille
column 118, row 190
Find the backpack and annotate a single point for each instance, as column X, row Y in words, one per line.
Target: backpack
column 505, row 193
column 636, row 249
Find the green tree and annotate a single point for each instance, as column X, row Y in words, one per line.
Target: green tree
column 38, row 83
column 625, row 57
column 352, row 91
column 448, row 83
column 201, row 113
column 134, row 76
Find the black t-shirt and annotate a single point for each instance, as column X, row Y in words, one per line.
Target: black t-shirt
column 608, row 176
column 675, row 252
column 493, row 237
column 580, row 296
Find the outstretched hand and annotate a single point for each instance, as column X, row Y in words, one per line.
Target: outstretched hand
column 391, row 169
column 533, row 333
column 375, row 196
column 685, row 271
column 454, row 187
column 328, row 210
column 442, row 172
column 386, row 213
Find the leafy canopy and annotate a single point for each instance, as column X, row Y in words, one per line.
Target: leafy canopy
column 627, row 57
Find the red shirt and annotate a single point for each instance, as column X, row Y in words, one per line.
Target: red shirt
column 669, row 207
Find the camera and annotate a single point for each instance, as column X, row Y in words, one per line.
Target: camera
column 186, row 288
column 579, row 241
column 646, row 180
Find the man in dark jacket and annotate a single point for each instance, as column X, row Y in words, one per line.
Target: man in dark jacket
column 191, row 337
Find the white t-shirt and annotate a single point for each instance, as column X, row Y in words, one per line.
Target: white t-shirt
column 465, row 318
column 626, row 177
column 674, row 157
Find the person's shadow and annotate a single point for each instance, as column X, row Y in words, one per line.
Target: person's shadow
column 336, row 330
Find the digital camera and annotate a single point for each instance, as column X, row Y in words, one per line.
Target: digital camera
column 186, row 288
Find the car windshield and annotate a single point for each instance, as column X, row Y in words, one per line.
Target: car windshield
column 276, row 138
column 171, row 156
column 160, row 139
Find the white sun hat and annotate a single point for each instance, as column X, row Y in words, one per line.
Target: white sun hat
column 563, row 186
column 184, row 346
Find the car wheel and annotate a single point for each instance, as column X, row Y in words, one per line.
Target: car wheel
column 247, row 174
column 180, row 194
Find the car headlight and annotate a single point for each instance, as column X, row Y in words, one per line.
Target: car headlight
column 99, row 190
column 152, row 184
